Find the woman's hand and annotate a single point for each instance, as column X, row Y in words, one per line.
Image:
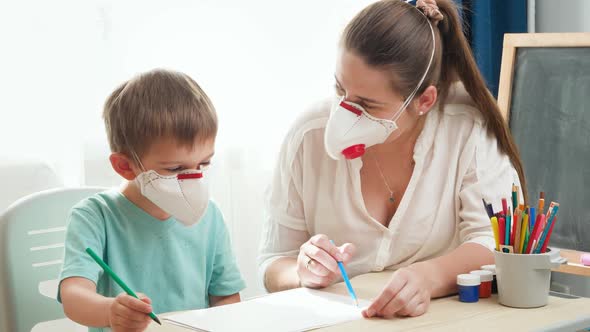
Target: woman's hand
column 407, row 294
column 317, row 263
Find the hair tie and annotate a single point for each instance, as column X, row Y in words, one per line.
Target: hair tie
column 430, row 9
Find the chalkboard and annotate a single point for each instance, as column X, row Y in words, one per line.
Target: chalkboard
column 549, row 117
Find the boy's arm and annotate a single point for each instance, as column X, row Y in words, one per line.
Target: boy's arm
column 223, row 300
column 83, row 305
column 226, row 279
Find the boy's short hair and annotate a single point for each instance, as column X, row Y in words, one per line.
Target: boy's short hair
column 154, row 105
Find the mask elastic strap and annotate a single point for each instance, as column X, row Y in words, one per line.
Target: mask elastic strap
column 133, row 154
column 137, row 160
column 411, row 96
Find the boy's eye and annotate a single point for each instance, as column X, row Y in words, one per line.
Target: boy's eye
column 175, row 169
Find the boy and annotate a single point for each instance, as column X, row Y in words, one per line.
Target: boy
column 159, row 232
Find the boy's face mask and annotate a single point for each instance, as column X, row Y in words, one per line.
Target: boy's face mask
column 184, row 195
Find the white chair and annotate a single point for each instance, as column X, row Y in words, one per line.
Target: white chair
column 22, row 177
column 31, row 250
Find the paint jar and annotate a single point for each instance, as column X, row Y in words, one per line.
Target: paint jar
column 486, row 278
column 585, row 259
column 468, row 287
column 492, row 268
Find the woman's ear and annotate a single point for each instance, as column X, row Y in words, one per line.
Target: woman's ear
column 426, row 101
column 122, row 165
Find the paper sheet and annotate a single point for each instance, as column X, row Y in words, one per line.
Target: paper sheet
column 294, row 310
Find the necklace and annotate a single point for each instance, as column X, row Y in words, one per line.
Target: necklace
column 391, row 198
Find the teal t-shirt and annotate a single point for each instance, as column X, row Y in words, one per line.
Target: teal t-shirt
column 177, row 267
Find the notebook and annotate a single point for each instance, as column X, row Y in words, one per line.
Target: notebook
column 294, row 310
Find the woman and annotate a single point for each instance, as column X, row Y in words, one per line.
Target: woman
column 393, row 170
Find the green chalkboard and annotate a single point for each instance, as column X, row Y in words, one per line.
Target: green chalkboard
column 550, row 121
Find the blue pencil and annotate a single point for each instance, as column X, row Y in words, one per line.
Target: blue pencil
column 347, row 281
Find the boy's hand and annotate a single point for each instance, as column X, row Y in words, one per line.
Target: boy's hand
column 127, row 313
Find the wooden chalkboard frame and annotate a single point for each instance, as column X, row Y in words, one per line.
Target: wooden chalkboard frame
column 512, row 41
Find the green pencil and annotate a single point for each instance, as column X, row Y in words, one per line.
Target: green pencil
column 514, row 197
column 118, row 280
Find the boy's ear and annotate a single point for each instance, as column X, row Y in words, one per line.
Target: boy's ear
column 123, row 166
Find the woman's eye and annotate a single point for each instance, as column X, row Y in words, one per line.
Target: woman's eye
column 175, row 169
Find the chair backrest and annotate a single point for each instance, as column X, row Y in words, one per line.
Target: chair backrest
column 21, row 177
column 32, row 233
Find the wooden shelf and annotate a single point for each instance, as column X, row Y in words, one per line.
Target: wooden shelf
column 573, row 256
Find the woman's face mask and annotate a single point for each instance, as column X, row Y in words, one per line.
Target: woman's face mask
column 351, row 130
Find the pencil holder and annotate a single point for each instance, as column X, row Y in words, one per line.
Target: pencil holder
column 524, row 279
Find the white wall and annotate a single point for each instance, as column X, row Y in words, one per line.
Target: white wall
column 261, row 62
column 560, row 15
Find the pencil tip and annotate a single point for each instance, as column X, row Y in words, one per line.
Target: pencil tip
column 158, row 320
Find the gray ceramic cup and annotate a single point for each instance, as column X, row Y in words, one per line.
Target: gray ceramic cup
column 524, row 280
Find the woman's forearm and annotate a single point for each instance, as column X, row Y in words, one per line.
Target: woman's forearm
column 442, row 271
column 282, row 275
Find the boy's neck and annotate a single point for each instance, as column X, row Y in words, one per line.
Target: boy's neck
column 133, row 194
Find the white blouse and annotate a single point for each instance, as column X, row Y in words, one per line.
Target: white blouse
column 457, row 163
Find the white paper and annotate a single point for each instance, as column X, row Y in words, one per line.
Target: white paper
column 294, row 310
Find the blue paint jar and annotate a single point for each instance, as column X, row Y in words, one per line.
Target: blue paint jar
column 468, row 287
